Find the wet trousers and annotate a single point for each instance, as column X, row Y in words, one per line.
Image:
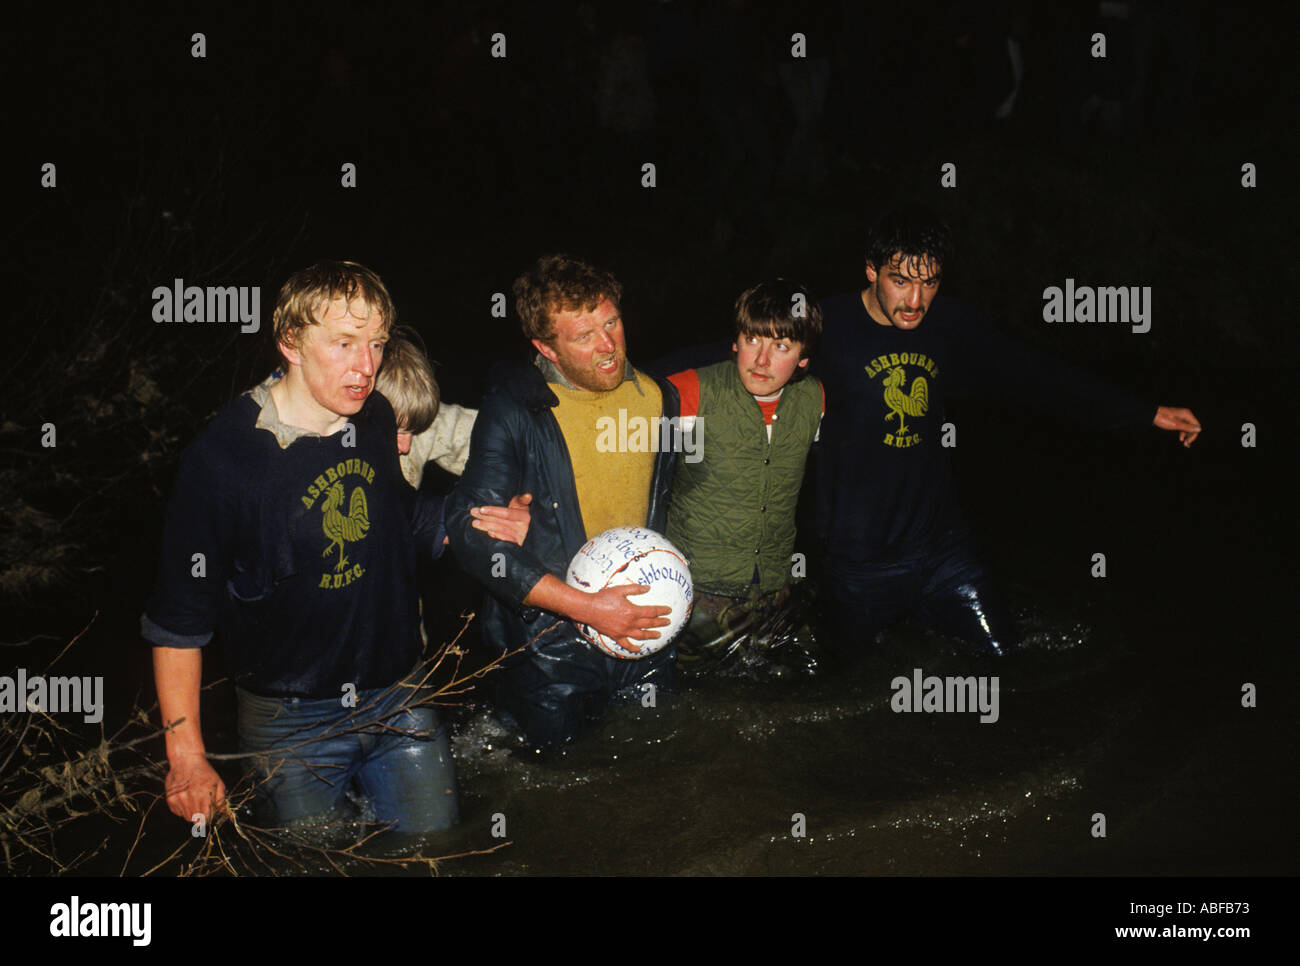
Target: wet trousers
column 563, row 683
column 314, row 751
column 946, row 584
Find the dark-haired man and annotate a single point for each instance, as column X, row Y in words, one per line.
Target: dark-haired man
column 540, row 431
column 895, row 540
column 733, row 507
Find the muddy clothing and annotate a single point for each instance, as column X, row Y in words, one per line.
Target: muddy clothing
column 733, row 510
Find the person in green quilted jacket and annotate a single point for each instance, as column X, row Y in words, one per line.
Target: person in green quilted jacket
column 733, row 502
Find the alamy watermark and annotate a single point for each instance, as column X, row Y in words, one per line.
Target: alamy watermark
column 56, row 695
column 76, row 919
column 1108, row 303
column 654, row 434
column 211, row 304
column 947, row 694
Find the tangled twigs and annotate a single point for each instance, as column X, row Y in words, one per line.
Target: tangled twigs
column 235, row 847
column 56, row 798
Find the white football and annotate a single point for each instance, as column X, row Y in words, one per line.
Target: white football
column 635, row 555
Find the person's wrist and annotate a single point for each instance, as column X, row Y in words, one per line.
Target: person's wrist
column 184, row 750
column 579, row 606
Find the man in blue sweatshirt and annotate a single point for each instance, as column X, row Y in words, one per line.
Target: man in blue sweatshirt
column 292, row 535
column 895, row 540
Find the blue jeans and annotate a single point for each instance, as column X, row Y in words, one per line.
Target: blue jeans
column 398, row 756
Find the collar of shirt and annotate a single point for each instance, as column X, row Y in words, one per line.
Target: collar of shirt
column 268, row 417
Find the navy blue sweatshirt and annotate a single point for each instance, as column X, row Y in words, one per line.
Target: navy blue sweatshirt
column 885, row 482
column 307, row 573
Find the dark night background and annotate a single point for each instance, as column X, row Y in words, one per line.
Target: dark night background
column 225, row 170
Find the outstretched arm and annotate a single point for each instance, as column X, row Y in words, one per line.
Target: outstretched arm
column 1000, row 365
column 1182, row 420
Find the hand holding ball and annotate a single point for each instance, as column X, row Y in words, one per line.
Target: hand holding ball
column 635, row 555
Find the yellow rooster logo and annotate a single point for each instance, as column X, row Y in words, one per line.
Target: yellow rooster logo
column 916, row 402
column 340, row 528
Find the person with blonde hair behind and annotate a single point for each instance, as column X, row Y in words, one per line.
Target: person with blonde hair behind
column 428, row 430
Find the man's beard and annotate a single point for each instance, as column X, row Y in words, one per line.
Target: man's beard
column 591, row 379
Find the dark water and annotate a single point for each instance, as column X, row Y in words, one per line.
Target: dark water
column 1126, row 704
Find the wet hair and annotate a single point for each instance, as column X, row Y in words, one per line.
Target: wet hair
column 769, row 308
column 306, row 291
column 560, row 283
column 913, row 231
column 406, row 381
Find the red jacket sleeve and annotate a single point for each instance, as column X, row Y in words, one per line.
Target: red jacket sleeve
column 688, row 387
